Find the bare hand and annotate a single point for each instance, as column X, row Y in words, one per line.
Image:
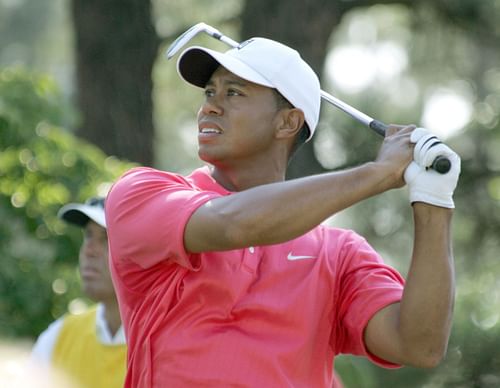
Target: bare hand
column 396, row 153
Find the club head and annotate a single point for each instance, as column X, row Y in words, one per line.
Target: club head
column 182, row 40
column 185, row 37
column 441, row 164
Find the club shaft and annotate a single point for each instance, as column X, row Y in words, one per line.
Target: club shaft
column 363, row 118
column 358, row 115
column 228, row 41
column 441, row 164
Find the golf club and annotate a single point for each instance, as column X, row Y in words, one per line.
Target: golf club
column 441, row 164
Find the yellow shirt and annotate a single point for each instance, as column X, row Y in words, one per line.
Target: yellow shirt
column 79, row 353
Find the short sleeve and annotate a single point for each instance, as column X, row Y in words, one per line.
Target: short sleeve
column 366, row 286
column 146, row 214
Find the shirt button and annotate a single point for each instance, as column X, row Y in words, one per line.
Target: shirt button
column 251, row 249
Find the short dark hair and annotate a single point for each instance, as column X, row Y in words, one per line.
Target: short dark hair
column 301, row 138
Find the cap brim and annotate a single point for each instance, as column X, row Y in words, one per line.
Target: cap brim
column 79, row 214
column 197, row 64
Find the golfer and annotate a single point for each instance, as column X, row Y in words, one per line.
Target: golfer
column 88, row 347
column 228, row 278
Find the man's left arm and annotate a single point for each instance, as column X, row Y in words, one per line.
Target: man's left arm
column 416, row 330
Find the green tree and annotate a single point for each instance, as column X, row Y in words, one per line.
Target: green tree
column 116, row 47
column 42, row 167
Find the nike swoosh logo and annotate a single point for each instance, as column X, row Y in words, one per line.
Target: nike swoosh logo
column 293, row 257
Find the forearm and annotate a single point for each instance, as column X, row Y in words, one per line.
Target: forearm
column 278, row 212
column 427, row 305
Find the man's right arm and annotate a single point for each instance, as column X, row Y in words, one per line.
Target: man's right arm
column 278, row 212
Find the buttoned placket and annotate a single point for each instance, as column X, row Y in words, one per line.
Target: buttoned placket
column 251, row 259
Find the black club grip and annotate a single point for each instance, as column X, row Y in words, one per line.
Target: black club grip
column 441, row 164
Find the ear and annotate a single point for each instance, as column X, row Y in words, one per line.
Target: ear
column 291, row 122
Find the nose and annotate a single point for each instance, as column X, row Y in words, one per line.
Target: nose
column 90, row 247
column 211, row 106
column 88, row 250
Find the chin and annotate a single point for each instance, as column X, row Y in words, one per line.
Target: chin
column 93, row 293
column 206, row 157
column 212, row 155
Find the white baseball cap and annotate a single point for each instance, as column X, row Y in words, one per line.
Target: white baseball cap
column 264, row 62
column 80, row 213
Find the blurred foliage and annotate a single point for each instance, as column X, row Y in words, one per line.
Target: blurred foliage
column 42, row 167
column 38, row 34
column 448, row 47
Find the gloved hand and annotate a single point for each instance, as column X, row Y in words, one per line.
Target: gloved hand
column 425, row 184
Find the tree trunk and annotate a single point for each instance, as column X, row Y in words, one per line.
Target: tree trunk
column 305, row 26
column 116, row 46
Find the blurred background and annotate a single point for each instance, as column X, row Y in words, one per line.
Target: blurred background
column 86, row 92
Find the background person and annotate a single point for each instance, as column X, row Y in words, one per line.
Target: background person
column 227, row 277
column 89, row 347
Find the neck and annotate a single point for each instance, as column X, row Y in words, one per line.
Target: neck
column 239, row 177
column 234, row 181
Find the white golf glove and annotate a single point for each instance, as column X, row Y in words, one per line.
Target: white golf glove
column 425, row 184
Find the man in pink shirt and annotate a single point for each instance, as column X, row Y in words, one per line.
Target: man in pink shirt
column 227, row 277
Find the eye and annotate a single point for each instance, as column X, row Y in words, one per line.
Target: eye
column 209, row 92
column 234, row 92
column 87, row 233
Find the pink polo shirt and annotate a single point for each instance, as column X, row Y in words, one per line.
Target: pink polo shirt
column 264, row 316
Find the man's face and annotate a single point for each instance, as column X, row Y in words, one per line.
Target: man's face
column 94, row 269
column 237, row 120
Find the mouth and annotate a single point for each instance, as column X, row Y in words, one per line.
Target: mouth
column 87, row 273
column 210, row 131
column 208, row 128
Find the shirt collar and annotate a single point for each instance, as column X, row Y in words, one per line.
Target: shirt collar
column 102, row 329
column 203, row 179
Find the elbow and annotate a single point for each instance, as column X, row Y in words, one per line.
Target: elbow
column 428, row 358
column 431, row 361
